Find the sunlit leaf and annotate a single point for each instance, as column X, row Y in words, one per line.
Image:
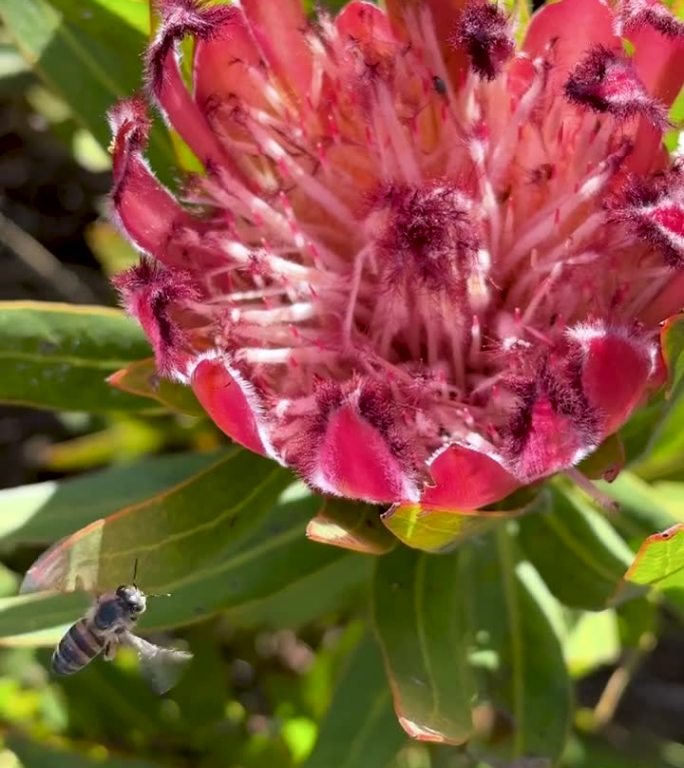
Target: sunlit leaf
column 172, row 534
column 592, row 641
column 59, row 356
column 576, row 551
column 140, row 378
column 351, row 525
column 255, row 578
column 42, row 513
column 660, row 561
column 437, row 531
column 643, row 509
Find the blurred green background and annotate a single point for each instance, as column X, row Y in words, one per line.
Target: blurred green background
column 288, row 677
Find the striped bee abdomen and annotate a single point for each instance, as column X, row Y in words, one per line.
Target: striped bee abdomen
column 79, row 646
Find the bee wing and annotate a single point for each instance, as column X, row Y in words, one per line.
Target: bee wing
column 162, row 667
column 74, row 563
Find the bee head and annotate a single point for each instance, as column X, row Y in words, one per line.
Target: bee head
column 133, row 598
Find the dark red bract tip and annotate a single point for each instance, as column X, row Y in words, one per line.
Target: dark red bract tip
column 554, row 421
column 130, row 124
column 606, row 82
column 654, row 211
column 130, row 120
column 150, row 292
column 181, row 18
column 483, row 32
column 652, row 13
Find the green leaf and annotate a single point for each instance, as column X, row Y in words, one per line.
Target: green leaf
column 433, row 530
column 576, row 551
column 473, row 632
column 591, row 642
column 59, row 356
column 39, row 619
column 45, row 512
column 672, row 341
column 90, row 57
column 359, row 729
column 665, row 449
column 106, row 19
column 436, row 531
column 421, row 618
column 643, row 509
column 173, row 534
column 275, row 565
column 339, row 584
column 140, row 378
column 638, row 623
column 513, row 616
column 660, row 561
column 33, row 754
column 351, row 525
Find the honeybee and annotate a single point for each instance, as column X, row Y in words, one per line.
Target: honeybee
column 107, row 626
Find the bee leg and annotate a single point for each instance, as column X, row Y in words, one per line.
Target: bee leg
column 109, row 651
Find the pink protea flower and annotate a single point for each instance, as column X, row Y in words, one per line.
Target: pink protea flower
column 423, row 266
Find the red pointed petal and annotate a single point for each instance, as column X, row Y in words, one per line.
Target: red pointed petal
column 146, row 210
column 230, row 402
column 222, row 63
column 181, row 19
column 279, row 29
column 442, row 17
column 550, row 25
column 364, row 22
column 466, row 479
column 615, row 374
column 354, row 460
column 659, row 60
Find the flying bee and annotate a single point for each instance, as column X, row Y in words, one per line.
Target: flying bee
column 108, row 625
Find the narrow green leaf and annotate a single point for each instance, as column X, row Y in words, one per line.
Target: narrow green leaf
column 577, row 553
column 351, row 525
column 421, row 620
column 140, row 378
column 470, row 637
column 28, row 614
column 523, row 676
column 33, row 754
column 45, row 512
column 90, row 57
column 276, row 557
column 339, row 585
column 59, row 356
column 275, row 565
column 175, row 533
column 359, row 729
